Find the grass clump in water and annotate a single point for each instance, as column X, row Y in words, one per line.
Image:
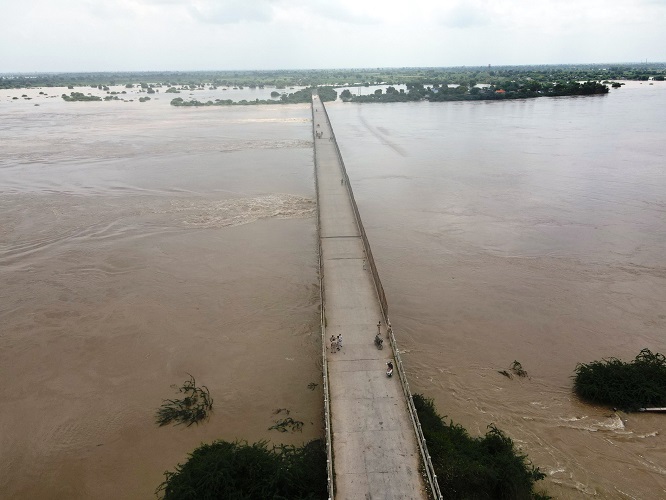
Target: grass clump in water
column 189, row 410
column 487, row 467
column 243, row 471
column 628, row 386
column 286, row 425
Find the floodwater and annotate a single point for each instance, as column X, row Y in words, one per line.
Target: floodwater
column 138, row 243
column 141, row 242
column 527, row 230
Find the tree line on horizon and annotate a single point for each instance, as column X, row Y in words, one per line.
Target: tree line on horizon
column 282, row 79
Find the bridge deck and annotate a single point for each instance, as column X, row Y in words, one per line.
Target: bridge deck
column 374, row 445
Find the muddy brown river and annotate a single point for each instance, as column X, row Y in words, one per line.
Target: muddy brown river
column 533, row 231
column 141, row 242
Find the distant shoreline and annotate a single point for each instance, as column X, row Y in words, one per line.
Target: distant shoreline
column 498, row 76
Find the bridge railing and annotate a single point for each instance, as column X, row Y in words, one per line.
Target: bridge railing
column 366, row 244
column 423, row 448
column 324, row 363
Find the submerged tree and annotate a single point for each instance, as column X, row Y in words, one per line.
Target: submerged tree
column 475, row 468
column 629, row 386
column 243, row 471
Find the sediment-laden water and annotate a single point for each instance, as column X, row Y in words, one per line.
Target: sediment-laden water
column 140, row 242
column 524, row 230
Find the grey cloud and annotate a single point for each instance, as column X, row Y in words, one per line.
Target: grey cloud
column 232, row 11
column 163, row 2
column 106, row 10
column 236, row 11
column 335, row 12
column 465, row 16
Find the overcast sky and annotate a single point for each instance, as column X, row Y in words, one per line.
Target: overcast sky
column 109, row 35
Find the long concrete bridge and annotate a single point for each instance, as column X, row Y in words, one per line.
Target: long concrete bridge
column 375, row 447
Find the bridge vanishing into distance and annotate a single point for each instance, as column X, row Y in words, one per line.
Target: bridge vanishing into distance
column 376, row 449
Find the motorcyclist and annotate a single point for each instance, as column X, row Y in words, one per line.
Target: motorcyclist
column 378, row 341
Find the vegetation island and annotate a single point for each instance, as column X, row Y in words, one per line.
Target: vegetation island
column 511, row 90
column 631, row 386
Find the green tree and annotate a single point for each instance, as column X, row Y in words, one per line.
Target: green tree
column 476, row 467
column 241, row 471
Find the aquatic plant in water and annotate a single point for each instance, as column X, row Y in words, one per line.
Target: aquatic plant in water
column 189, row 410
column 517, row 370
column 287, row 424
column 629, row 386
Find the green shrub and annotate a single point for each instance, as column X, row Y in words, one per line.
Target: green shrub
column 488, row 467
column 629, row 386
column 242, row 471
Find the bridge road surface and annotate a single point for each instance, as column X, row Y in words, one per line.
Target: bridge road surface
column 375, row 452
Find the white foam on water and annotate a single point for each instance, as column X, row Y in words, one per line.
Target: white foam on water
column 238, row 211
column 611, row 423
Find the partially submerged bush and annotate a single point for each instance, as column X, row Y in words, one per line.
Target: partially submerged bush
column 487, row 467
column 629, row 386
column 243, row 471
column 516, row 368
column 189, row 410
